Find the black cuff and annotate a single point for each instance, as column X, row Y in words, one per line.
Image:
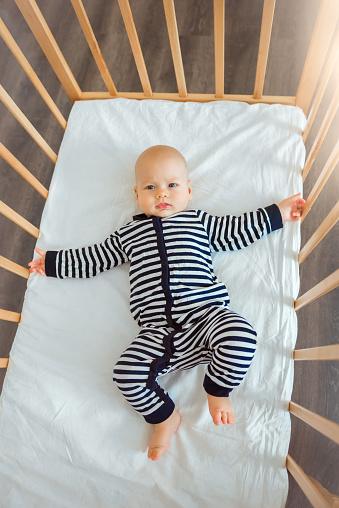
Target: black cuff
column 274, row 216
column 50, row 263
column 216, row 390
column 161, row 414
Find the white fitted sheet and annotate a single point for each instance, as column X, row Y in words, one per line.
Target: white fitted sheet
column 67, row 436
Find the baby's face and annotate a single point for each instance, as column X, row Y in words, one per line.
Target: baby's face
column 162, row 185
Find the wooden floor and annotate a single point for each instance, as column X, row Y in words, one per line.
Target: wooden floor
column 316, row 383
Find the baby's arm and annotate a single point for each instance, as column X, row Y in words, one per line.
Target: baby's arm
column 233, row 233
column 81, row 263
column 292, row 207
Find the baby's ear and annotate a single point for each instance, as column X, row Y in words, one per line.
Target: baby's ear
column 136, row 192
column 190, row 192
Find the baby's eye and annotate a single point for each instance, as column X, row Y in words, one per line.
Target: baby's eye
column 150, row 187
column 173, row 185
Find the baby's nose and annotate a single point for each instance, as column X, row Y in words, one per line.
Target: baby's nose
column 162, row 193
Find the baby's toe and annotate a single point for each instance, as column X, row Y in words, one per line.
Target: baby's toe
column 217, row 418
column 153, row 454
column 230, row 418
column 224, row 417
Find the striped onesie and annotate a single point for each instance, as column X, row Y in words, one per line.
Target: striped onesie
column 181, row 307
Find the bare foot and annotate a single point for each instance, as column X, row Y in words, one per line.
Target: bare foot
column 221, row 409
column 162, row 434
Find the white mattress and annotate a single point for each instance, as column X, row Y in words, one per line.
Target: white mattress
column 67, row 436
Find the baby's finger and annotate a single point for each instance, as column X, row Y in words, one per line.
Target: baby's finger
column 40, row 251
column 34, row 262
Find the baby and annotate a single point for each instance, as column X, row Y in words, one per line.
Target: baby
column 182, row 308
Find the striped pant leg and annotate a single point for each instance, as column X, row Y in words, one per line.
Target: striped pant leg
column 232, row 342
column 137, row 370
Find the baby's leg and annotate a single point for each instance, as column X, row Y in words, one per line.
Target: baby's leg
column 136, row 375
column 232, row 341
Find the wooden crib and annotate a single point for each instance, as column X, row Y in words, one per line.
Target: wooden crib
column 318, row 73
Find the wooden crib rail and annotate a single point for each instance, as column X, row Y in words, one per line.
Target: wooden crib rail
column 9, row 265
column 20, row 168
column 8, row 315
column 318, row 496
column 331, row 111
column 94, row 46
column 135, row 45
column 43, row 35
column 286, row 100
column 26, row 124
column 332, row 63
column 219, row 47
column 320, row 233
column 264, row 43
column 323, row 287
column 319, row 423
column 320, row 42
column 322, row 179
column 317, row 353
column 18, row 219
column 12, row 45
column 173, row 35
column 219, row 56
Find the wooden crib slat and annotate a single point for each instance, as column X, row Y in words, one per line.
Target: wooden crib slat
column 43, row 35
column 317, row 353
column 3, row 363
column 93, row 45
column 326, row 285
column 319, row 234
column 330, row 113
column 26, row 124
column 135, row 45
column 18, row 219
column 317, row 422
column 173, row 35
column 321, row 38
column 318, row 496
column 195, row 97
column 322, row 179
column 8, row 315
column 332, row 62
column 19, row 168
column 264, row 43
column 12, row 45
column 14, row 267
column 219, row 47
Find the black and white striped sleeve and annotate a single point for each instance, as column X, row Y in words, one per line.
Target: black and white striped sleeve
column 234, row 233
column 86, row 262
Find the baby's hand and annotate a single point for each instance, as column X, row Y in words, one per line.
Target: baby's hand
column 38, row 265
column 291, row 208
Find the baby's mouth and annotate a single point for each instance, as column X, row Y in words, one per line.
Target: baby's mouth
column 162, row 206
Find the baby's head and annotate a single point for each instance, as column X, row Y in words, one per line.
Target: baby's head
column 162, row 185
